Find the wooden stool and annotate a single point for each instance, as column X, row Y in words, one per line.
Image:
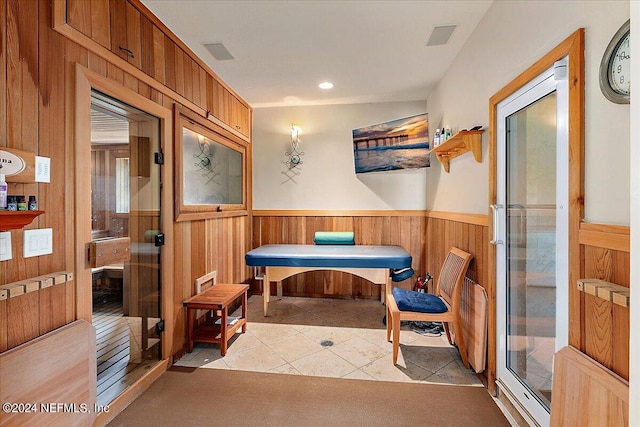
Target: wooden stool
column 218, row 329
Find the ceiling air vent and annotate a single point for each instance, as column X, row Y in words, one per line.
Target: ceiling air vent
column 218, row 51
column 440, row 35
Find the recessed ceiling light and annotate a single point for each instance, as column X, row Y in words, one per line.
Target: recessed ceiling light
column 325, row 85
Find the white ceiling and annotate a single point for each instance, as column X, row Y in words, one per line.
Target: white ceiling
column 373, row 51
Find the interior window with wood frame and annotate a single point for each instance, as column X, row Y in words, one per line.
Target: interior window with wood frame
column 210, row 169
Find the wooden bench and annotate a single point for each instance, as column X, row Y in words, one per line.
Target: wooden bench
column 219, row 327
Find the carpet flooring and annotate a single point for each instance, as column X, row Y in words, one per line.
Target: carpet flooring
column 212, row 397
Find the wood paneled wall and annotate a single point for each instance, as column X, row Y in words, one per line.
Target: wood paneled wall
column 201, row 247
column 37, row 81
column 604, row 326
column 406, row 229
column 30, row 308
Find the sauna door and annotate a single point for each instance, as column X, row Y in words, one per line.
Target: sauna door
column 531, row 227
column 125, row 223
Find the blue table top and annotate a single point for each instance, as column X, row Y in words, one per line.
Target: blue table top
column 330, row 256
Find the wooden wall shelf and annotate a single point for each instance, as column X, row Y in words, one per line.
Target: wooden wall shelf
column 15, row 220
column 605, row 290
column 458, row 144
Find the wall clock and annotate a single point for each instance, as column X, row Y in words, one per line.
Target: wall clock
column 615, row 68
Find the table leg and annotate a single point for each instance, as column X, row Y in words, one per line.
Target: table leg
column 223, row 331
column 279, row 289
column 190, row 316
column 266, row 290
column 244, row 311
column 388, row 288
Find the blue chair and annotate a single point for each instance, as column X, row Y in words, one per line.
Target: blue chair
column 443, row 306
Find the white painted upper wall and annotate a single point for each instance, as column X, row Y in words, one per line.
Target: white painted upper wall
column 512, row 36
column 327, row 179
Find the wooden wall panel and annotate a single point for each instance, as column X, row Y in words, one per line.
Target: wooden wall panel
column 22, row 319
column 427, row 240
column 204, row 246
column 4, row 320
column 118, row 27
column 133, row 35
column 51, row 136
column 37, row 81
column 442, row 234
column 604, row 325
column 405, row 231
column 3, row 78
column 100, row 25
column 34, row 313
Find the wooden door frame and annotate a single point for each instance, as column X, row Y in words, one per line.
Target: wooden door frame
column 78, row 187
column 573, row 48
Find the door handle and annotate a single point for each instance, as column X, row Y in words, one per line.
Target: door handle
column 494, row 213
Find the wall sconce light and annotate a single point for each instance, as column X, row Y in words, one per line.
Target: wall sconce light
column 294, row 155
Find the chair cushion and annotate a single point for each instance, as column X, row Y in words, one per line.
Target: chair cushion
column 418, row 301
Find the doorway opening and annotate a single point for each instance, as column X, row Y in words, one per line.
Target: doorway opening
column 125, row 225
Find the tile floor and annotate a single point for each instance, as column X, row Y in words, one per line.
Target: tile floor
column 332, row 338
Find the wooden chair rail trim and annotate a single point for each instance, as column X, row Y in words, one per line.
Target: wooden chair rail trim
column 605, row 228
column 616, row 237
column 354, row 213
column 468, row 218
column 21, row 287
column 599, row 239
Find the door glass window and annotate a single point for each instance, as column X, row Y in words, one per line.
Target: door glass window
column 125, row 212
column 531, row 245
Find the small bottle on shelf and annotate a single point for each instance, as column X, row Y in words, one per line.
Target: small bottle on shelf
column 12, row 203
column 447, row 131
column 436, row 138
column 22, row 203
column 32, row 205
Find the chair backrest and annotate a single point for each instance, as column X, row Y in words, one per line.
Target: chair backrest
column 203, row 283
column 452, row 276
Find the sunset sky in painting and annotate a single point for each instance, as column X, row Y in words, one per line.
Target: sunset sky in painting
column 416, row 127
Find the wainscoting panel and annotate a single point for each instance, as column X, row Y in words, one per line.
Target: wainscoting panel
column 371, row 228
column 204, row 246
column 605, row 325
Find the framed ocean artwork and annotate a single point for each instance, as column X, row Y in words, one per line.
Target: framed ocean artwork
column 397, row 144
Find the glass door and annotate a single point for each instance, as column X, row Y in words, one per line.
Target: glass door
column 532, row 235
column 125, row 214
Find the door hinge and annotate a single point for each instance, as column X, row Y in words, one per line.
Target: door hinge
column 159, row 239
column 160, row 327
column 159, row 158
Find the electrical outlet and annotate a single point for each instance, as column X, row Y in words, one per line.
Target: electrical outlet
column 38, row 242
column 5, row 246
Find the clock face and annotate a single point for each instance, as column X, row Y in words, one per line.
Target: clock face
column 620, row 68
column 615, row 67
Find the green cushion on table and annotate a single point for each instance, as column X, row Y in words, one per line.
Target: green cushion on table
column 334, row 238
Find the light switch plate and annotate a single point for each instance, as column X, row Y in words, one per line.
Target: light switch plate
column 38, row 242
column 5, row 246
column 43, row 169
